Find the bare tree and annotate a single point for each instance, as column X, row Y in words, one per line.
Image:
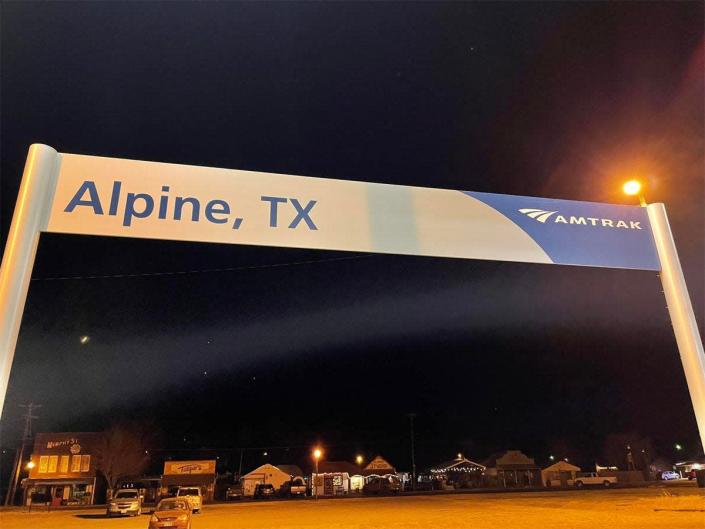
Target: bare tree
column 123, row 452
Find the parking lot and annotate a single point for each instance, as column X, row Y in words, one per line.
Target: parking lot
column 643, row 508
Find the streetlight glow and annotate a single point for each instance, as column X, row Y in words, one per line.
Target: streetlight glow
column 30, row 465
column 358, row 459
column 632, row 187
column 317, row 453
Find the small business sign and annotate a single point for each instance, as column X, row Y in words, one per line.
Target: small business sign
column 172, row 468
column 379, row 463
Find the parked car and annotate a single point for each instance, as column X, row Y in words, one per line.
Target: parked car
column 692, row 475
column 174, row 513
column 233, row 492
column 264, row 491
column 382, row 485
column 295, row 487
column 670, row 474
column 193, row 495
column 591, row 479
column 125, row 502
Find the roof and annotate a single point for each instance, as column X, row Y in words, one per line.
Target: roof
column 457, row 464
column 379, row 465
column 561, row 465
column 338, row 467
column 510, row 459
column 292, row 470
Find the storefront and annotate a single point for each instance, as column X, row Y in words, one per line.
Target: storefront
column 334, row 478
column 199, row 474
column 62, row 469
column 458, row 473
column 513, row 469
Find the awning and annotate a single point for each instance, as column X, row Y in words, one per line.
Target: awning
column 68, row 481
column 186, row 480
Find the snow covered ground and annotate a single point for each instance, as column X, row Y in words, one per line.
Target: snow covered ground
column 681, row 507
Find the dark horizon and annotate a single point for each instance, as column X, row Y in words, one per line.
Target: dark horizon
column 286, row 347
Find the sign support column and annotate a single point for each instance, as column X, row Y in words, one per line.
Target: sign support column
column 680, row 308
column 31, row 216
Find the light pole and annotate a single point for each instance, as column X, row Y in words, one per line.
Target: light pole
column 317, row 453
column 359, row 460
column 413, row 454
column 680, row 308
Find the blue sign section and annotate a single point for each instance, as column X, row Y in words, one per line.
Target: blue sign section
column 581, row 233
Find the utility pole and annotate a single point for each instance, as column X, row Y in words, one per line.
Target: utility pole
column 413, row 454
column 19, row 454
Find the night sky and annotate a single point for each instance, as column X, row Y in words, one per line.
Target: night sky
column 562, row 100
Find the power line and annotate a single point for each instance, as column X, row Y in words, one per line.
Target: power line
column 205, row 270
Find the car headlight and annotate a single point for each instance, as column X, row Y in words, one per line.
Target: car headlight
column 154, row 518
column 113, row 504
column 183, row 517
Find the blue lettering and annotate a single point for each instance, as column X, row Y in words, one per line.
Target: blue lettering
column 114, row 198
column 273, row 204
column 303, row 214
column 130, row 210
column 93, row 201
column 217, row 207
column 179, row 205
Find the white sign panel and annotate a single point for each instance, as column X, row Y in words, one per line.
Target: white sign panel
column 127, row 198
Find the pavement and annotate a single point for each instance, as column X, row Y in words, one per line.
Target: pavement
column 637, row 508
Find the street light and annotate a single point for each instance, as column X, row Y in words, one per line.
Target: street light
column 358, row 460
column 678, row 447
column 317, row 453
column 30, row 465
column 633, row 187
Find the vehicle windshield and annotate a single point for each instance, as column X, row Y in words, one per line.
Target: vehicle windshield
column 172, row 505
column 187, row 492
column 126, row 494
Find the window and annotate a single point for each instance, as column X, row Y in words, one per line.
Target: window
column 64, row 464
column 43, row 464
column 53, row 464
column 75, row 463
column 85, row 463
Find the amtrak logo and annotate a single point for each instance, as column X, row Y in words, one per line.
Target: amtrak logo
column 538, row 214
column 542, row 216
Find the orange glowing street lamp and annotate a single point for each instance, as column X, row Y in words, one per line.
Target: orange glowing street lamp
column 30, row 465
column 317, row 453
column 633, row 187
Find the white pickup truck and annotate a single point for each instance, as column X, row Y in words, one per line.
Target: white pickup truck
column 591, row 479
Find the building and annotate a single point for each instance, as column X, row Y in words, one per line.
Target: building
column 684, row 468
column 62, row 469
column 334, row 478
column 378, row 467
column 558, row 474
column 512, row 469
column 277, row 475
column 200, row 473
column 458, row 473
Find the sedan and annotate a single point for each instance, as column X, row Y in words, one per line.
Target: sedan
column 669, row 474
column 174, row 513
